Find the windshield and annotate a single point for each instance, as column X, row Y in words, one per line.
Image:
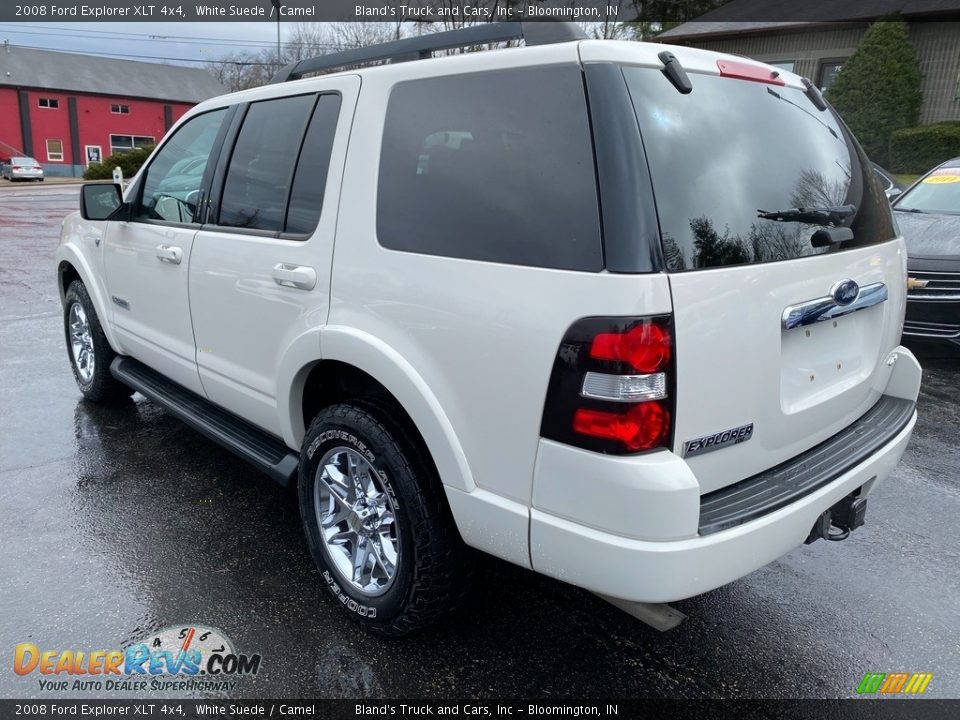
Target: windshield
column 733, row 147
column 938, row 192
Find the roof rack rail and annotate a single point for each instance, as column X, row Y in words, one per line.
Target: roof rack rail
column 423, row 46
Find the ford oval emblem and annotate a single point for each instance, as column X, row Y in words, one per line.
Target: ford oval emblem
column 845, row 292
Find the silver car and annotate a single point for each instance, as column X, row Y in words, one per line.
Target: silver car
column 22, row 168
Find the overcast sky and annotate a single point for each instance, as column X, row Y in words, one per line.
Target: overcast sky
column 176, row 41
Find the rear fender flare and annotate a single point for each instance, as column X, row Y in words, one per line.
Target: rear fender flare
column 390, row 369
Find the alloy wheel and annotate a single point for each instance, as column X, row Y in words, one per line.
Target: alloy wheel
column 81, row 342
column 357, row 521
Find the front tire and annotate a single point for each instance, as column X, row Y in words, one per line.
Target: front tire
column 376, row 521
column 88, row 349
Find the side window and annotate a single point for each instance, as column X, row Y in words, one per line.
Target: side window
column 261, row 167
column 494, row 166
column 310, row 180
column 172, row 181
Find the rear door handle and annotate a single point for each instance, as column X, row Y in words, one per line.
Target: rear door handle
column 169, row 254
column 295, row 276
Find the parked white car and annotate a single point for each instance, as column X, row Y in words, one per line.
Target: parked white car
column 22, row 168
column 623, row 314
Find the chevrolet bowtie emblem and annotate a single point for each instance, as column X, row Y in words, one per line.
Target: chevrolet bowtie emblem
column 914, row 284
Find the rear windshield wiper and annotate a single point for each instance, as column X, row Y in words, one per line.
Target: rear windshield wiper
column 833, row 215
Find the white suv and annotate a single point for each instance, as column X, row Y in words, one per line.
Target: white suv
column 624, row 315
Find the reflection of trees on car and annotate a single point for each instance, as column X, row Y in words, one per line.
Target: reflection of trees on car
column 710, row 248
column 672, row 254
column 814, row 189
column 765, row 240
column 777, row 242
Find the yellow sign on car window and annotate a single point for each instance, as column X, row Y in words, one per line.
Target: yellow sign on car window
column 945, row 175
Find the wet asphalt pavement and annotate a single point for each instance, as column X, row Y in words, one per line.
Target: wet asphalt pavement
column 118, row 521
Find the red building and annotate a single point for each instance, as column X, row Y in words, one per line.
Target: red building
column 68, row 110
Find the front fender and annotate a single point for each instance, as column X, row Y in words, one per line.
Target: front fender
column 390, row 369
column 79, row 247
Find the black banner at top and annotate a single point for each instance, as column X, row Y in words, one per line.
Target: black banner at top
column 457, row 11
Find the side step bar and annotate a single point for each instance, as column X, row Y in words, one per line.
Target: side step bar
column 268, row 453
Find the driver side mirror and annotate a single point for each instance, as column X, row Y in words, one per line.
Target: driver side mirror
column 103, row 201
column 894, row 193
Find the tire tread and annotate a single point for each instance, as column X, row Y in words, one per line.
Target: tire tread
column 104, row 387
column 442, row 571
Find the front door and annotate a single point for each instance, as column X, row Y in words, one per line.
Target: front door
column 260, row 270
column 146, row 259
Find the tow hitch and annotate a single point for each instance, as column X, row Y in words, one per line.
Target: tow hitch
column 846, row 516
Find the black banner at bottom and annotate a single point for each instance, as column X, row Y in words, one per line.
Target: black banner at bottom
column 892, row 709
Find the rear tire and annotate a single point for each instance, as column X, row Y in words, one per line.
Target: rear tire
column 89, row 351
column 369, row 499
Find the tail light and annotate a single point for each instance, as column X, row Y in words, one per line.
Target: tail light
column 611, row 386
column 17, row 167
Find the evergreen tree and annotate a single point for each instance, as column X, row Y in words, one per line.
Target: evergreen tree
column 878, row 89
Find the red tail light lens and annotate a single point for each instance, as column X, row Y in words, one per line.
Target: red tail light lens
column 612, row 385
column 17, row 167
column 642, row 427
column 645, row 347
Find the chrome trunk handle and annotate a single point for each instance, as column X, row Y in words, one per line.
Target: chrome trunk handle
column 827, row 308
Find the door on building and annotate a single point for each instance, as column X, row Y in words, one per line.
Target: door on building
column 93, row 153
column 147, row 258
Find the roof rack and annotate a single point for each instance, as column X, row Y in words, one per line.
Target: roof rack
column 423, row 46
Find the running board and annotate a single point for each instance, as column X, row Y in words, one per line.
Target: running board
column 266, row 452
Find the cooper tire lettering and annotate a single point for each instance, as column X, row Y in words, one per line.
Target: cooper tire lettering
column 432, row 565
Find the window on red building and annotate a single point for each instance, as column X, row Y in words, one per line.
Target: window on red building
column 120, row 109
column 125, row 143
column 51, row 103
column 55, row 150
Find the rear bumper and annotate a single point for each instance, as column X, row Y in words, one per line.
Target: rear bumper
column 631, row 532
column 22, row 175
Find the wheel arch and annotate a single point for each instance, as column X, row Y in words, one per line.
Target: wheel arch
column 71, row 266
column 352, row 364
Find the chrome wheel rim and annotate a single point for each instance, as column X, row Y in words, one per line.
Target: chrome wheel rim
column 81, row 342
column 357, row 521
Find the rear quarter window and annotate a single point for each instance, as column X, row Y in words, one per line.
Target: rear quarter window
column 494, row 166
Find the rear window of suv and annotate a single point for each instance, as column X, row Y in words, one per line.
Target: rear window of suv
column 494, row 166
column 732, row 147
